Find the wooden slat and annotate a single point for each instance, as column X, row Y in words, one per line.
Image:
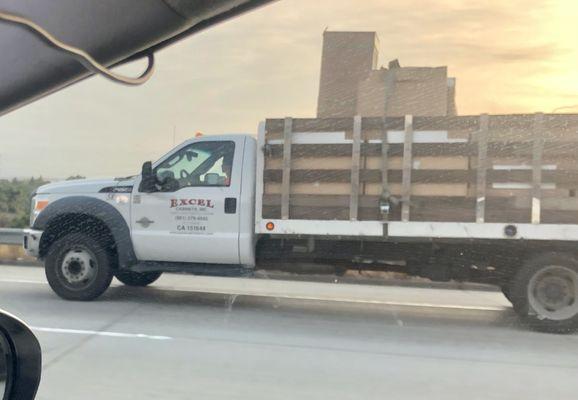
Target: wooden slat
column 426, row 213
column 482, row 138
column 562, row 179
column 506, row 149
column 538, row 132
column 309, row 200
column 372, row 189
column 407, row 167
column 395, row 149
column 312, row 200
column 355, row 161
column 286, row 181
column 426, row 208
column 512, row 125
column 549, row 203
column 372, row 201
column 331, row 124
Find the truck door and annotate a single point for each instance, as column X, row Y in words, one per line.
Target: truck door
column 196, row 218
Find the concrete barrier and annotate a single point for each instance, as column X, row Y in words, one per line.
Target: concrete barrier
column 10, row 253
column 11, row 250
column 11, row 236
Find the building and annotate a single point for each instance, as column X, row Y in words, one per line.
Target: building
column 347, row 60
column 351, row 84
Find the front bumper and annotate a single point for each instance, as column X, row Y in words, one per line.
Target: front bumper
column 31, row 242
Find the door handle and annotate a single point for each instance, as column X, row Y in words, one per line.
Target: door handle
column 145, row 222
column 230, row 205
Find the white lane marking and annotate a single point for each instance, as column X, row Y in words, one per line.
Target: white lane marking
column 22, row 281
column 100, row 333
column 37, row 282
column 450, row 306
column 298, row 296
column 303, row 297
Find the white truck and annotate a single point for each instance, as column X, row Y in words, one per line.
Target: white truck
column 438, row 197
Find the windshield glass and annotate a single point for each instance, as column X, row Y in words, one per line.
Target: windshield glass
column 204, row 163
column 353, row 200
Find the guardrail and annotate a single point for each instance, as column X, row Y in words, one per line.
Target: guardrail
column 11, row 236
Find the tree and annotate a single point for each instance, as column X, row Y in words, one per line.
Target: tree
column 15, row 201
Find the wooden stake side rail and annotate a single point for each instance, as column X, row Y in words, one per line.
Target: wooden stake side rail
column 521, row 169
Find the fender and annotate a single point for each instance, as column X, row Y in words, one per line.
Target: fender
column 90, row 206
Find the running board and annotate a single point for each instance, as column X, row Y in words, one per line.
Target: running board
column 193, row 268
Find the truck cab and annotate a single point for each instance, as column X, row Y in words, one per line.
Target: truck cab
column 192, row 209
column 200, row 206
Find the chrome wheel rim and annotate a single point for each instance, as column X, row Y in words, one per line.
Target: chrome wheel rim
column 553, row 293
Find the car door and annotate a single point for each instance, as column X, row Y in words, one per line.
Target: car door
column 197, row 218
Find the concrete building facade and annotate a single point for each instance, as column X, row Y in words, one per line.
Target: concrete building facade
column 351, row 84
column 347, row 59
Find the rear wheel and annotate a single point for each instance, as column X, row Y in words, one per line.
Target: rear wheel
column 78, row 267
column 545, row 293
column 131, row 278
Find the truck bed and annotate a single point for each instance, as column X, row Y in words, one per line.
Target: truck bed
column 498, row 176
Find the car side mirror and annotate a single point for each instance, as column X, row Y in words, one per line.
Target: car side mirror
column 148, row 181
column 212, row 179
column 20, row 359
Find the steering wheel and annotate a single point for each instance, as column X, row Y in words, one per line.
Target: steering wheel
column 184, row 174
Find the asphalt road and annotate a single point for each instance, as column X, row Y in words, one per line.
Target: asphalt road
column 225, row 338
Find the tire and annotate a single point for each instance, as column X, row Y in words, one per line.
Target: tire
column 544, row 293
column 78, row 267
column 506, row 292
column 140, row 279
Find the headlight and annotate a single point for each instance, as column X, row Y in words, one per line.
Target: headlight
column 37, row 206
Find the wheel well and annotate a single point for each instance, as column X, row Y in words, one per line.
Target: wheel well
column 77, row 223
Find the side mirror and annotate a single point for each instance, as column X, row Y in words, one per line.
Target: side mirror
column 148, row 181
column 212, row 179
column 20, row 359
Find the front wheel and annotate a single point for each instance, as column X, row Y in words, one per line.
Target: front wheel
column 544, row 293
column 131, row 278
column 78, row 267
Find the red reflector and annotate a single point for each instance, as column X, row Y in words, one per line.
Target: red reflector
column 270, row 226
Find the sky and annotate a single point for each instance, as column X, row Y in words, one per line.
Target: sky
column 508, row 57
